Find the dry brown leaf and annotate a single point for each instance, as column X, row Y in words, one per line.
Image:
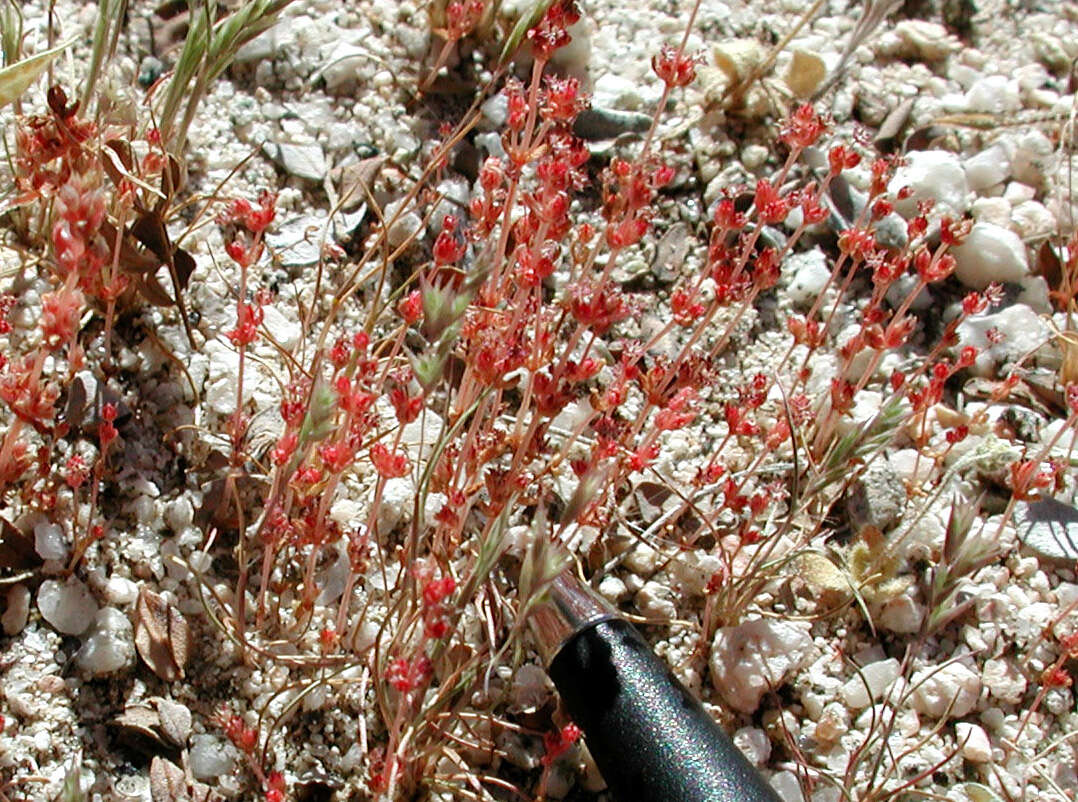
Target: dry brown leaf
column 16, row 549
column 219, row 500
column 1067, row 340
column 889, row 137
column 162, row 636
column 357, row 181
column 175, row 720
column 170, row 783
column 651, row 498
column 119, row 160
column 138, row 728
column 140, row 720
column 167, row 782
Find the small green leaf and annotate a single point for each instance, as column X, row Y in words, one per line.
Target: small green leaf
column 17, row 78
column 525, row 22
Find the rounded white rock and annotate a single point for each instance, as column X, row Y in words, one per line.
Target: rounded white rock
column 928, row 41
column 872, row 682
column 974, row 742
column 990, row 253
column 754, row 744
column 110, row 645
column 1032, row 220
column 809, row 273
column 49, row 541
column 992, row 210
column 935, row 175
column 210, row 758
column 749, row 660
column 988, row 168
column 994, row 94
column 950, row 690
column 68, row 606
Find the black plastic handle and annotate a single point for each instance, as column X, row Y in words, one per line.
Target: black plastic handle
column 650, row 737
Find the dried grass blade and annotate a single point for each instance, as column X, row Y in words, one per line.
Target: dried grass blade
column 20, row 76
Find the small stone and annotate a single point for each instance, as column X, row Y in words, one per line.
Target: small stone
column 656, row 601
column 613, row 589
column 179, row 513
column 990, row 253
column 950, row 690
column 754, row 744
column 302, row 161
column 1034, row 159
column 833, row 724
column 120, row 591
column 49, row 541
column 1031, row 220
column 694, row 571
column 297, row 242
column 876, row 498
column 642, row 560
column 1018, row 330
column 903, row 287
column 17, row 611
column 398, row 495
column 1017, row 192
column 342, row 66
column 996, row 211
column 994, row 94
column 402, row 226
column 902, row 615
column 284, row 329
column 878, row 676
column 210, row 758
column 1048, row 527
column 787, row 785
column 613, row 91
column 749, row 660
column 809, row 273
column 925, row 41
column 911, row 466
column 988, row 168
column 753, row 156
column 974, row 742
column 935, row 175
column 109, row 646
column 68, row 606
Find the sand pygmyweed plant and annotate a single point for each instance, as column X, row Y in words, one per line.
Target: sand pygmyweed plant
column 477, row 406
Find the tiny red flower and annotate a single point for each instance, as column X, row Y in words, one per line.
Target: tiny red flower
column 1056, row 677
column 389, row 464
column 957, row 434
column 771, row 207
column 803, row 128
column 674, row 67
column 106, row 432
column 557, row 743
column 462, row 17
